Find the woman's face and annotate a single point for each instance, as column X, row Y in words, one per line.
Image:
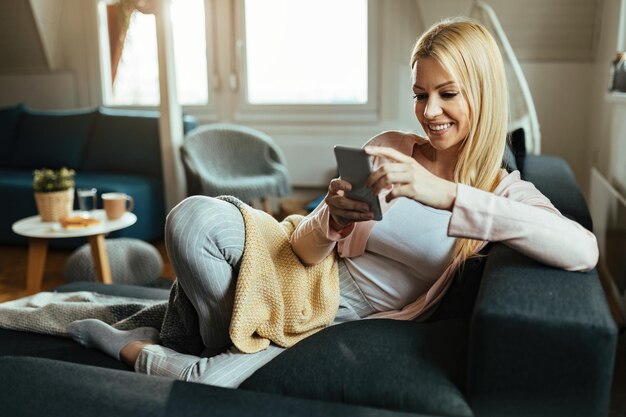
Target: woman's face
column 440, row 106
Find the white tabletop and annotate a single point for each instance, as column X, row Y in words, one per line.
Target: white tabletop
column 34, row 227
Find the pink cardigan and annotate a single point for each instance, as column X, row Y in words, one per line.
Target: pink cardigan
column 516, row 214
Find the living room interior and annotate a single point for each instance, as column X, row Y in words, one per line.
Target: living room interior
column 118, row 90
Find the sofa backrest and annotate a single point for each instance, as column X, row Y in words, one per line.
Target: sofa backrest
column 124, row 142
column 88, row 140
column 9, row 117
column 50, row 139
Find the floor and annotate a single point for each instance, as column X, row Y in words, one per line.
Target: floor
column 12, row 280
column 13, row 269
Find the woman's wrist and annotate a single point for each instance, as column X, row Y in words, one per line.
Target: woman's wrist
column 450, row 195
column 335, row 225
column 342, row 231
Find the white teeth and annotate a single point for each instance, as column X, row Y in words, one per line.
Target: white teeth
column 439, row 127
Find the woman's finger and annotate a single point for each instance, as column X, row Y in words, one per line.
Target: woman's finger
column 385, row 170
column 337, row 184
column 389, row 153
column 349, row 216
column 391, row 180
column 345, row 203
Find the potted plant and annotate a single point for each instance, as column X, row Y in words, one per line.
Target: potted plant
column 54, row 192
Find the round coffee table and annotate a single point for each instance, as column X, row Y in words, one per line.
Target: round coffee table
column 39, row 232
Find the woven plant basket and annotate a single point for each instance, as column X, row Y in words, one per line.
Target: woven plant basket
column 55, row 205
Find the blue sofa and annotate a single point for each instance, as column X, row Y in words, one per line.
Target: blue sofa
column 111, row 150
column 511, row 338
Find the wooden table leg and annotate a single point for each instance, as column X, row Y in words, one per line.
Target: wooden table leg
column 37, row 250
column 100, row 258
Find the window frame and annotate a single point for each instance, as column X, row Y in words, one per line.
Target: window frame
column 206, row 112
column 228, row 91
column 245, row 112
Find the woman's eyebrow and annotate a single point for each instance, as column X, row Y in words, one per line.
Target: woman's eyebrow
column 436, row 87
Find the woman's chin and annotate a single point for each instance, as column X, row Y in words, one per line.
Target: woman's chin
column 443, row 144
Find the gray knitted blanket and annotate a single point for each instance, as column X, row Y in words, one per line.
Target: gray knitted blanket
column 51, row 312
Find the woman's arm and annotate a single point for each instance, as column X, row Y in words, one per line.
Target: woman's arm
column 315, row 237
column 517, row 214
column 525, row 220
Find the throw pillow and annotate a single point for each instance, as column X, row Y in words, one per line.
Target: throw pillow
column 388, row 364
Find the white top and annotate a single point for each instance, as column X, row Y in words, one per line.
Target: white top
column 405, row 254
column 34, row 227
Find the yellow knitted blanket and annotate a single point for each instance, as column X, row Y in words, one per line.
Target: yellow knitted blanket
column 278, row 298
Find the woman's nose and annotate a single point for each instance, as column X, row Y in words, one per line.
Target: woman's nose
column 433, row 108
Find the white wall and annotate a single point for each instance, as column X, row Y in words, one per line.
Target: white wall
column 563, row 107
column 40, row 90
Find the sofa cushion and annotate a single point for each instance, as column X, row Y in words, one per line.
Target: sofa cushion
column 36, row 387
column 508, row 160
column 397, row 365
column 517, row 140
column 125, row 142
column 9, row 117
column 51, row 139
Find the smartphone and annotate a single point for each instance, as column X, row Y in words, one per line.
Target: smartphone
column 355, row 167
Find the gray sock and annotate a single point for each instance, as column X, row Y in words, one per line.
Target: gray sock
column 93, row 333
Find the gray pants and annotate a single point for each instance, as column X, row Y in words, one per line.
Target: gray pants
column 205, row 239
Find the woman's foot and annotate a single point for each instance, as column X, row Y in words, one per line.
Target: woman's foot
column 93, row 333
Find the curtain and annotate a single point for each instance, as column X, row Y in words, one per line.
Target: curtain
column 118, row 20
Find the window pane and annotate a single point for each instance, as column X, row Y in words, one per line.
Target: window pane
column 137, row 77
column 190, row 51
column 306, row 51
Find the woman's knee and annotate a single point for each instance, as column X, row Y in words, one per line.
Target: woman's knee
column 205, row 215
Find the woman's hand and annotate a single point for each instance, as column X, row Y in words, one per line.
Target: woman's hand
column 343, row 210
column 409, row 178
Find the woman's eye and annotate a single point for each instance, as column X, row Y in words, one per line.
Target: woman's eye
column 420, row 97
column 449, row 95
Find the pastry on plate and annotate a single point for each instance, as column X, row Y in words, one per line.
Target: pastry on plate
column 77, row 222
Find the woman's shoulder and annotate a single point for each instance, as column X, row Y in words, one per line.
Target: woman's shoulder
column 396, row 139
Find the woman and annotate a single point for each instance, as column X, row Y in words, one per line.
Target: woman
column 443, row 197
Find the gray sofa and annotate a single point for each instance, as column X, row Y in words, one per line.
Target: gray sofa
column 111, row 150
column 511, row 338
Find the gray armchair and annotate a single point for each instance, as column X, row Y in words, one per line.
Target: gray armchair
column 231, row 159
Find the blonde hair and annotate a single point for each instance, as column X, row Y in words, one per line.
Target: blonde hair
column 470, row 54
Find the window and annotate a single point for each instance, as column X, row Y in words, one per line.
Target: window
column 284, row 60
column 297, row 52
column 131, row 55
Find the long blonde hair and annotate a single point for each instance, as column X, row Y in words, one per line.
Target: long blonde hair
column 470, row 54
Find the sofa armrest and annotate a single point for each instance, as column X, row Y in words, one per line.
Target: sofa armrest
column 554, row 178
column 42, row 387
column 542, row 341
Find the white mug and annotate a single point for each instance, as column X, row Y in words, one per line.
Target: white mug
column 115, row 204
